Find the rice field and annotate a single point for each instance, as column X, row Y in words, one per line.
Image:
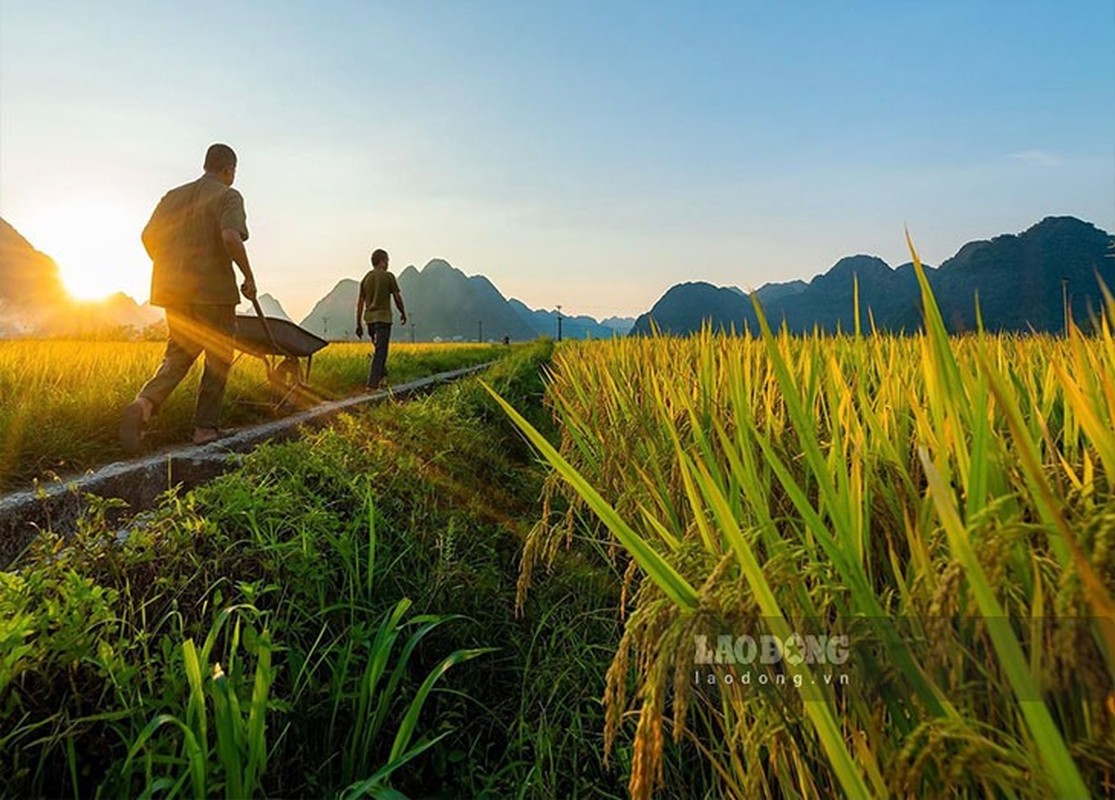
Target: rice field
column 753, row 567
column 940, row 508
column 60, row 400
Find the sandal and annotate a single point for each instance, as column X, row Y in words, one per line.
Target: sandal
column 209, row 438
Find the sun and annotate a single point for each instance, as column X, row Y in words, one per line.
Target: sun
column 95, row 242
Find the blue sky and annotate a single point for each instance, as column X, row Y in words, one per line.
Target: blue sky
column 587, row 154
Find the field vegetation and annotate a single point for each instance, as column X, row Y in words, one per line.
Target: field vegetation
column 412, row 603
column 336, row 618
column 60, row 401
column 946, row 504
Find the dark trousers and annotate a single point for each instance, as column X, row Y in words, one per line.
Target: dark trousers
column 194, row 330
column 380, row 333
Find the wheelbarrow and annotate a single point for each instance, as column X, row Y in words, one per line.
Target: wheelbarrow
column 280, row 345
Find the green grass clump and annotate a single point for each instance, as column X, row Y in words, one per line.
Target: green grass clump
column 335, row 618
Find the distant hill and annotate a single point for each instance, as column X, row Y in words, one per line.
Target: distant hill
column 333, row 315
column 544, row 323
column 29, row 282
column 777, row 291
column 444, row 303
column 694, row 301
column 1017, row 279
column 268, row 305
column 28, row 278
column 621, row 325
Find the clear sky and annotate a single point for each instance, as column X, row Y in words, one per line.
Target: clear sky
column 590, row 154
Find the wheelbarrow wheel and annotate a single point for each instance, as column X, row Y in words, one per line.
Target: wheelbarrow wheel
column 285, row 377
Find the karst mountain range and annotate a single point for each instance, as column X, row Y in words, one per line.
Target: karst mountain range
column 1019, row 282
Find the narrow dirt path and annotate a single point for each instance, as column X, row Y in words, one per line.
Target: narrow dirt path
column 140, row 481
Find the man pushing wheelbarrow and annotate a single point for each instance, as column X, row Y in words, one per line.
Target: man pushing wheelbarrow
column 195, row 234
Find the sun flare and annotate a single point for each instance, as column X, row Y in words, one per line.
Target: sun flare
column 96, row 244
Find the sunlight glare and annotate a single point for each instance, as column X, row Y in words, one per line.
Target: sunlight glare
column 95, row 242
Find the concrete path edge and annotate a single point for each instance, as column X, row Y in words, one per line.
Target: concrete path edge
column 139, row 482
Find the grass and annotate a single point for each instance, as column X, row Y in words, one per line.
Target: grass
column 336, row 618
column 60, row 401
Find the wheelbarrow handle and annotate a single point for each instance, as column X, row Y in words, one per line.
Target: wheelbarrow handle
column 267, row 329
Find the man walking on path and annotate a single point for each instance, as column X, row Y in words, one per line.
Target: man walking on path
column 374, row 307
column 195, row 234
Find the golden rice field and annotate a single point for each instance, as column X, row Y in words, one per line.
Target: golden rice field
column 60, row 400
column 942, row 508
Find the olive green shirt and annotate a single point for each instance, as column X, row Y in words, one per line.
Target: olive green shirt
column 183, row 238
column 377, row 288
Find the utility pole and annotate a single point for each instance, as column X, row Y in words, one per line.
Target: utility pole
column 559, row 322
column 412, row 333
column 1065, row 302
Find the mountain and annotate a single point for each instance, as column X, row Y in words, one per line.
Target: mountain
column 332, row 316
column 1017, row 278
column 29, row 282
column 776, row 291
column 28, row 278
column 544, row 323
column 697, row 301
column 444, row 303
column 621, row 325
column 268, row 305
column 441, row 302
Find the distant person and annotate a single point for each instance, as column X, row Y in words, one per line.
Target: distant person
column 193, row 237
column 374, row 307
